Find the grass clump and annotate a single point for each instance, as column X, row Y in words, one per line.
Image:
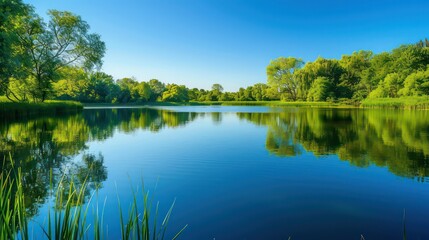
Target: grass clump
column 417, row 102
column 67, row 218
column 137, row 225
column 13, row 219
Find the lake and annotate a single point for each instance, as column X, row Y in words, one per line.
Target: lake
column 237, row 172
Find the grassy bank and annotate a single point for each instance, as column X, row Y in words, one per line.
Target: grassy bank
column 275, row 103
column 96, row 105
column 67, row 215
column 398, row 103
column 222, row 103
column 15, row 110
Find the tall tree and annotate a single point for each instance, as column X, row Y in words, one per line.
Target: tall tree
column 64, row 41
column 126, row 86
column 416, row 84
column 280, row 73
column 319, row 90
column 157, row 88
column 354, row 66
column 216, row 92
column 143, row 91
column 12, row 59
column 175, row 93
column 217, row 87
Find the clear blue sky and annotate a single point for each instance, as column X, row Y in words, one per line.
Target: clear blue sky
column 201, row 42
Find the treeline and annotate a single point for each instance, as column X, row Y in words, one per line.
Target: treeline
column 77, row 84
column 402, row 72
column 60, row 59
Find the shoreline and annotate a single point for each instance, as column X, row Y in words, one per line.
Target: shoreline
column 17, row 110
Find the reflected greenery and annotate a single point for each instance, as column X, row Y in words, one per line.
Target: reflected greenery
column 54, row 149
column 103, row 122
column 398, row 140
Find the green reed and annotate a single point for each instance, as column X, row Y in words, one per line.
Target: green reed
column 416, row 102
column 13, row 219
column 67, row 218
column 137, row 224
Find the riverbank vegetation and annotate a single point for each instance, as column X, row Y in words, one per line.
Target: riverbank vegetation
column 17, row 110
column 419, row 102
column 67, row 216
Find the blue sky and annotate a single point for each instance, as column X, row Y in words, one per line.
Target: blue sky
column 201, row 42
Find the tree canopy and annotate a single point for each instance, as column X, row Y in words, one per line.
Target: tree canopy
column 60, row 59
column 41, row 49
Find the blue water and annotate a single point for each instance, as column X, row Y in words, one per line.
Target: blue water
column 330, row 182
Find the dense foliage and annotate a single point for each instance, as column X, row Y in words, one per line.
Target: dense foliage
column 59, row 59
column 34, row 53
column 401, row 72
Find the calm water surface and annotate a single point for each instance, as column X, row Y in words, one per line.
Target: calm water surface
column 239, row 172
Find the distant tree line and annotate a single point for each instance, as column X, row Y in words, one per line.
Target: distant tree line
column 60, row 59
column 402, row 72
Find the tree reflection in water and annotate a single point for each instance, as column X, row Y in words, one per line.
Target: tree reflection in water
column 398, row 140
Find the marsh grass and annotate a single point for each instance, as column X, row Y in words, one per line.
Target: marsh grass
column 13, row 219
column 67, row 218
column 421, row 102
column 138, row 224
column 17, row 110
column 277, row 103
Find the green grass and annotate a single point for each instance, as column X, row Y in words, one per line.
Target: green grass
column 67, row 219
column 224, row 103
column 273, row 103
column 13, row 217
column 14, row 110
column 400, row 103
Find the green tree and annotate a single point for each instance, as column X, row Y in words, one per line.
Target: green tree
column 354, row 65
column 409, row 58
column 126, row 86
column 64, row 41
column 215, row 93
column 101, row 87
column 280, row 73
column 12, row 58
column 319, row 90
column 389, row 87
column 327, row 68
column 259, row 92
column 175, row 93
column 157, row 88
column 72, row 84
column 416, row 84
column 143, row 91
column 194, row 94
column 217, row 87
column 227, row 96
